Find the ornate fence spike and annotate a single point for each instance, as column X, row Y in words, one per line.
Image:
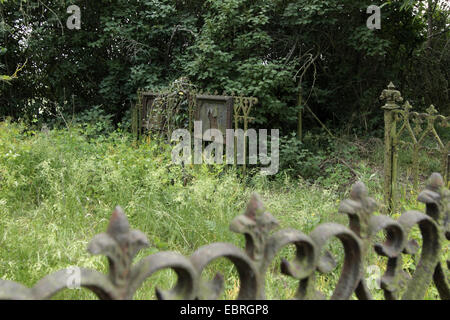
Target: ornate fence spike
column 392, row 96
column 432, row 110
column 359, row 209
column 256, row 224
column 431, row 193
column 120, row 245
column 407, row 106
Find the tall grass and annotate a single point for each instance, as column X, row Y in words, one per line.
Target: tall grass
column 58, row 188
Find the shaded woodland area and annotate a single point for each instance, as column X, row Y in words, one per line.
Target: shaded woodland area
column 274, row 50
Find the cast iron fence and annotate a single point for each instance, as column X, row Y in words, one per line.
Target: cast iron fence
column 408, row 129
column 120, row 245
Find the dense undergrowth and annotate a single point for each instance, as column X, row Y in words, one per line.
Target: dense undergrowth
column 58, row 188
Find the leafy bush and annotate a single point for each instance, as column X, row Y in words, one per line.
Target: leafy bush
column 95, row 122
column 297, row 160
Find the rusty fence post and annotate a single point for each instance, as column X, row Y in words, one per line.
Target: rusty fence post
column 136, row 116
column 447, row 172
column 392, row 97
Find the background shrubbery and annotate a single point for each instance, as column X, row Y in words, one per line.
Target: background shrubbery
column 253, row 47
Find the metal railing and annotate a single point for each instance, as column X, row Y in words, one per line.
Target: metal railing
column 120, row 245
column 405, row 128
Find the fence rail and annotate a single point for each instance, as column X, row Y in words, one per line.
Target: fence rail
column 120, row 245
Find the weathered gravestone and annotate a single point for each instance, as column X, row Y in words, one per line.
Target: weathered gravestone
column 151, row 119
column 215, row 112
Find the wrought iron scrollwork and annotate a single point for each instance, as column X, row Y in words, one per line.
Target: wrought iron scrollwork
column 120, row 245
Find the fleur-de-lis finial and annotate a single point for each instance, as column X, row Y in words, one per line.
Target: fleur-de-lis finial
column 407, row 106
column 359, row 208
column 392, row 97
column 120, row 245
column 431, row 110
column 256, row 224
column 432, row 196
column 118, row 226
